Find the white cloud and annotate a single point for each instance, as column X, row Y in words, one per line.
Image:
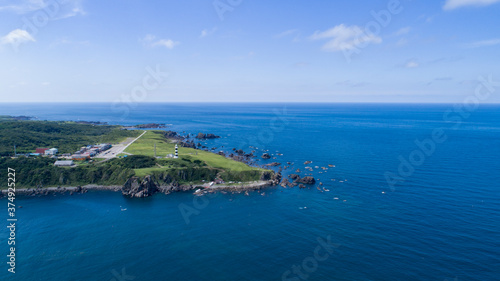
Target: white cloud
column 150, row 41
column 291, row 32
column 22, row 7
column 167, row 43
column 74, row 11
column 343, row 37
column 55, row 9
column 483, row 43
column 65, row 41
column 401, row 42
column 287, row 33
column 402, row 31
column 412, row 63
column 207, row 32
column 454, row 4
column 17, row 37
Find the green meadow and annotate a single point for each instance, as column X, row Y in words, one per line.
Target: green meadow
column 188, row 158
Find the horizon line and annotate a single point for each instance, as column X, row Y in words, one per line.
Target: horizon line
column 247, row 102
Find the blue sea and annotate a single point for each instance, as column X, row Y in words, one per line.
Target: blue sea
column 412, row 193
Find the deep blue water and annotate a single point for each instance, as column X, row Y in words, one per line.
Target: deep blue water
column 441, row 223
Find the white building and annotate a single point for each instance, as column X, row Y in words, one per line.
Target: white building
column 66, row 163
column 52, row 151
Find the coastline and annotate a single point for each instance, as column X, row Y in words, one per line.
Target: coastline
column 255, row 185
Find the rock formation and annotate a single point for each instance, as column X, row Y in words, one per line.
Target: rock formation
column 206, row 136
column 133, row 188
column 306, row 180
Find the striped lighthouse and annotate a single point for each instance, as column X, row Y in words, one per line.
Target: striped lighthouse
column 176, row 155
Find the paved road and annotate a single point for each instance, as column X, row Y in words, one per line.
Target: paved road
column 117, row 149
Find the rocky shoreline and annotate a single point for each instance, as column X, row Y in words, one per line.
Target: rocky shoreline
column 62, row 190
column 134, row 188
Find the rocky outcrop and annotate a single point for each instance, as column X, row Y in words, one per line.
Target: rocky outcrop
column 306, row 180
column 203, row 136
column 172, row 135
column 276, row 178
column 174, row 187
column 285, row 183
column 274, row 164
column 145, row 188
column 266, row 175
column 266, row 156
column 151, row 126
column 188, row 144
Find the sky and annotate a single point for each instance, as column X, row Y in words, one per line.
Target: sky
column 248, row 51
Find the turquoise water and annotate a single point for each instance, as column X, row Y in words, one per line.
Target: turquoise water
column 440, row 223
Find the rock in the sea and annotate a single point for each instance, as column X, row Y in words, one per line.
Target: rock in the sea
column 145, row 188
column 306, row 180
column 203, row 136
column 266, row 156
column 277, row 178
column 285, row 183
column 302, row 186
column 274, row 164
column 171, row 135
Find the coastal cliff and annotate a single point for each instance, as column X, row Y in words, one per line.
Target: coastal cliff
column 144, row 188
column 137, row 188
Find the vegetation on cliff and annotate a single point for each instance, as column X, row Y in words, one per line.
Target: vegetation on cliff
column 66, row 136
column 40, row 172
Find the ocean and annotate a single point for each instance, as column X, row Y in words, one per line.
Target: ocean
column 412, row 193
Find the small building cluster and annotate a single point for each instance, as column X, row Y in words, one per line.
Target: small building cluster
column 45, row 151
column 86, row 152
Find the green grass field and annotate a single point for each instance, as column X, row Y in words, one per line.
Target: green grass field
column 145, row 146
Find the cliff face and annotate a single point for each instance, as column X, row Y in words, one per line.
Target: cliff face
column 145, row 188
column 150, row 185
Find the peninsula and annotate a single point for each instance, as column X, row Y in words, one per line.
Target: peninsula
column 54, row 156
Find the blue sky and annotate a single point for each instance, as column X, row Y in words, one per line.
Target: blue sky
column 241, row 51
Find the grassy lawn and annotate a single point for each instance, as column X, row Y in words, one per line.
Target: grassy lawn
column 145, row 146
